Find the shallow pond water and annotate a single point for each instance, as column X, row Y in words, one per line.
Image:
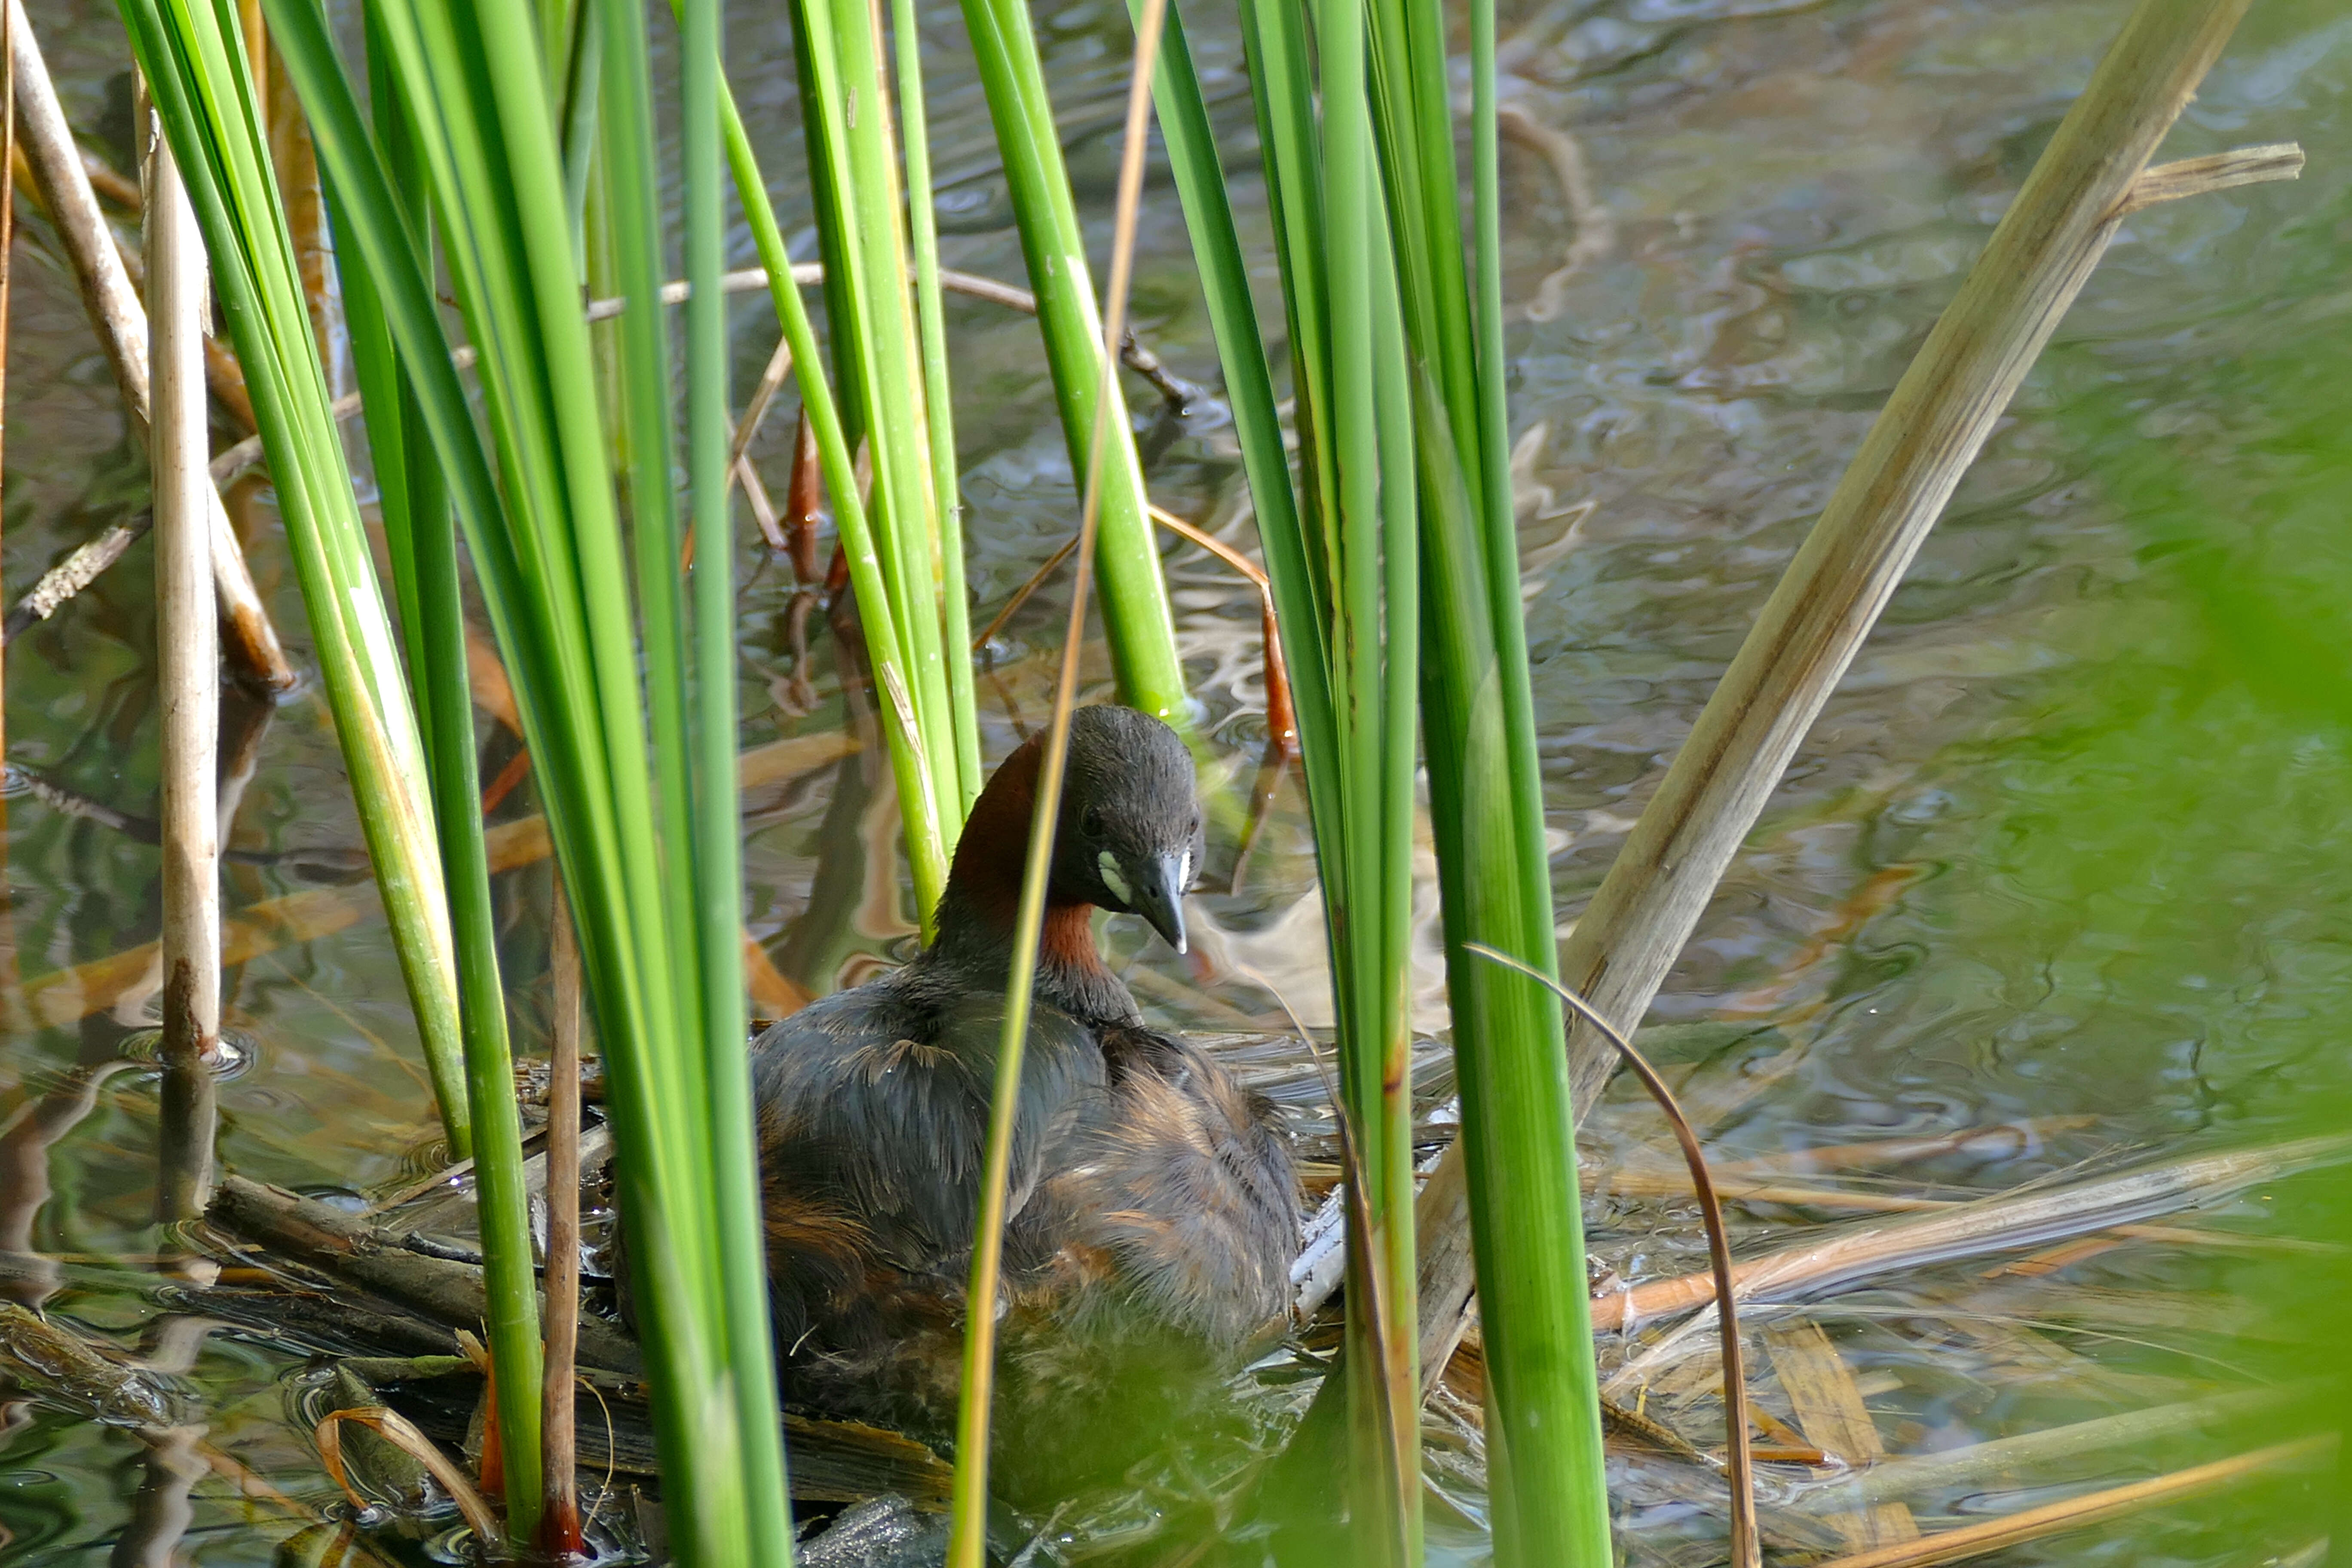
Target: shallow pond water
column 2071, row 849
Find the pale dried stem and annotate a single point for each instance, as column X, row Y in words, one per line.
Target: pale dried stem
column 1996, row 1224
column 753, row 280
column 2091, row 1508
column 2213, row 172
column 2031, row 1454
column 558, row 1437
column 188, row 682
column 1923, row 441
column 234, row 460
column 63, row 185
column 1665, row 1181
column 396, row 1429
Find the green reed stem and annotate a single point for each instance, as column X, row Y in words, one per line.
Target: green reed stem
column 919, row 804
column 1486, row 808
column 946, row 494
column 1191, row 140
column 1135, row 612
column 420, row 533
column 1399, row 408
column 746, row 1330
column 631, row 175
column 546, row 541
column 902, row 507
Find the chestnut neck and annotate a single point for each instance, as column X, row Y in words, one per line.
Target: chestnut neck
column 982, row 905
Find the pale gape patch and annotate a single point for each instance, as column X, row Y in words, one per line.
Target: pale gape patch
column 1113, row 878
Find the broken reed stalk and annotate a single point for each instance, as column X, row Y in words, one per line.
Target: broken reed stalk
column 188, row 674
column 1831, row 1413
column 63, row 185
column 1739, row 1462
column 1924, row 439
column 1282, row 724
column 399, row 1431
column 235, row 460
column 558, row 1519
column 2031, row 1453
column 378, row 1260
column 2091, row 1508
column 968, row 1536
column 1795, row 1195
column 1995, row 1223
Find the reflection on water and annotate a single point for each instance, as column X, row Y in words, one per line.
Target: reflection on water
column 2067, row 852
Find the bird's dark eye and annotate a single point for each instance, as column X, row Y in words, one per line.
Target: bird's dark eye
column 1090, row 822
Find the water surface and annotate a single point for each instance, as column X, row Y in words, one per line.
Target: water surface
column 2068, row 846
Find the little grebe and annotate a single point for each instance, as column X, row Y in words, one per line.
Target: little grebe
column 1152, row 1212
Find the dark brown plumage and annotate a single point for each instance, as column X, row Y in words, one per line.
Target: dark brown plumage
column 1153, row 1213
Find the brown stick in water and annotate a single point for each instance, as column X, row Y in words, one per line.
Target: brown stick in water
column 376, row 1260
column 559, row 1527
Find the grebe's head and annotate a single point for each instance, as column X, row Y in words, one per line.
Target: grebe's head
column 1130, row 836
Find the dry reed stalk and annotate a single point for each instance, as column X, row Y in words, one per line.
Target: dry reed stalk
column 1665, row 1182
column 1923, row 441
column 188, row 678
column 739, row 471
column 2030, row 1453
column 396, row 1429
column 63, row 185
column 1830, row 1411
column 559, row 1524
column 221, row 372
column 2012, row 1220
column 754, row 279
column 235, row 460
column 2091, row 1508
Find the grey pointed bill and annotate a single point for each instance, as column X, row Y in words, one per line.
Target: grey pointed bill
column 1158, row 894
